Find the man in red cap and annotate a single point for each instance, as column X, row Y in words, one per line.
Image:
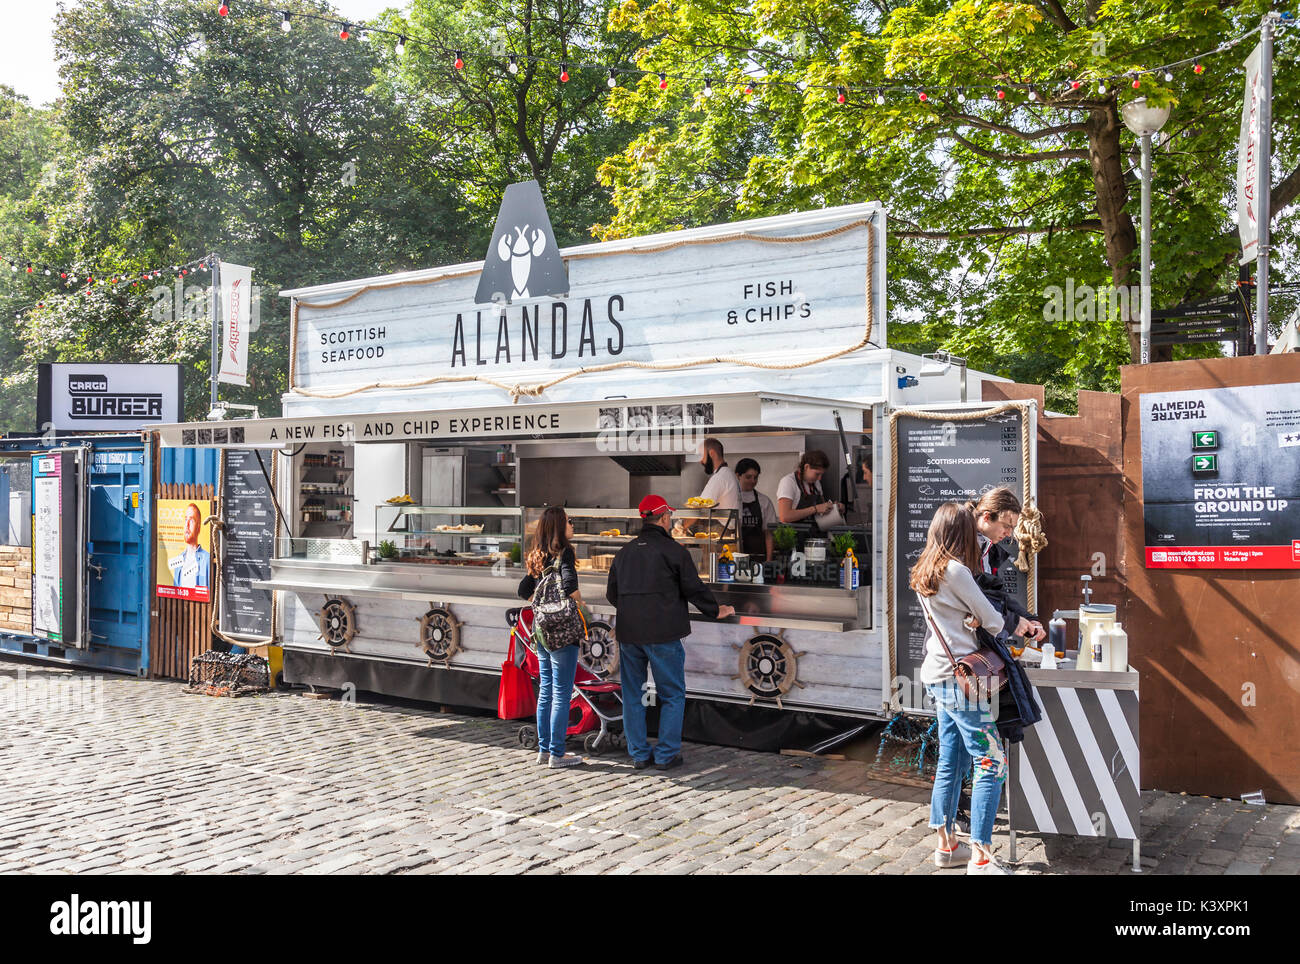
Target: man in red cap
column 650, row 582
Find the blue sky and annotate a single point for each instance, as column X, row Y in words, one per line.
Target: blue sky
column 27, row 46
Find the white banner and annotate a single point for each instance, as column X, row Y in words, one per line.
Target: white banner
column 1248, row 174
column 237, row 302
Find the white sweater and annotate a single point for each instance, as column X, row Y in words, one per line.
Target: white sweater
column 957, row 598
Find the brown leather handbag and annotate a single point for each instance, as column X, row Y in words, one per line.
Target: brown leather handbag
column 981, row 675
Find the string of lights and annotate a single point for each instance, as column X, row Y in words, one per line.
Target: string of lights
column 81, row 282
column 1035, row 91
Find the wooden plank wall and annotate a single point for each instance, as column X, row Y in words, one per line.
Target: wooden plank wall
column 180, row 629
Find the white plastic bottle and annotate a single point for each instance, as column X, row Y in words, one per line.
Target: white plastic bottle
column 1118, row 650
column 1097, row 656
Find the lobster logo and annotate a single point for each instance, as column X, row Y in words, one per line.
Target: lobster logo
column 518, row 250
column 523, row 260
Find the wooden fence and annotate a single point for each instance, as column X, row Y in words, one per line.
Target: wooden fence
column 180, row 629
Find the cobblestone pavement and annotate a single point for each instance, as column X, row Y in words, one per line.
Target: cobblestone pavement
column 134, row 776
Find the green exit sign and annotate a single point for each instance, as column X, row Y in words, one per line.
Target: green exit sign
column 1205, row 463
column 1205, row 440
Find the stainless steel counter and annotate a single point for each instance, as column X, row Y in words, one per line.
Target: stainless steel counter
column 780, row 606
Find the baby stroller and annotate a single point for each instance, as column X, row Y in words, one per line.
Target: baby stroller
column 596, row 702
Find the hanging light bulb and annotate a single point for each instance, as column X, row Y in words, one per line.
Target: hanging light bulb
column 1033, row 94
column 513, row 66
column 29, row 267
column 1101, row 87
column 285, row 25
column 961, row 95
column 345, row 32
column 400, row 47
column 802, row 86
column 1169, row 76
column 613, row 80
column 365, row 36
column 223, row 10
column 1137, row 82
column 708, row 86
column 749, row 88
column 1002, row 94
column 1198, row 69
column 841, row 95
column 880, row 98
column 460, row 61
column 1074, row 84
column 564, row 73
column 923, row 97
column 663, row 81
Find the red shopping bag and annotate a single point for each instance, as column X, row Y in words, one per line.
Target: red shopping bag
column 515, row 697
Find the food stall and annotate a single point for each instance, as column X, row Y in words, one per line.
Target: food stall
column 426, row 425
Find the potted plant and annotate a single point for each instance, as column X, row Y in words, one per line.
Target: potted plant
column 784, row 539
column 842, row 542
column 387, row 549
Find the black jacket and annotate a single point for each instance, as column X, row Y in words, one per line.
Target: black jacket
column 650, row 582
column 991, row 586
column 568, row 576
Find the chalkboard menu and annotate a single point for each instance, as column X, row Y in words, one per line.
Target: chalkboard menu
column 942, row 461
column 246, row 544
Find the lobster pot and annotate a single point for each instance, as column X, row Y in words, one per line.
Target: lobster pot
column 228, row 674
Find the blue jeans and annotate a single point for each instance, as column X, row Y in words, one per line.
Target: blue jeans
column 967, row 735
column 556, row 670
column 668, row 662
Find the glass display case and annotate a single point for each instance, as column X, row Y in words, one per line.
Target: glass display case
column 460, row 535
column 804, row 555
column 598, row 534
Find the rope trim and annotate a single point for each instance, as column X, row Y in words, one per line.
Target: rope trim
column 519, row 390
column 1033, row 532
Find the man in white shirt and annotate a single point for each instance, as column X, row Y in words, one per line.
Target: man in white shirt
column 722, row 487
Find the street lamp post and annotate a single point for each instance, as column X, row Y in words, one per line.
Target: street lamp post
column 1145, row 120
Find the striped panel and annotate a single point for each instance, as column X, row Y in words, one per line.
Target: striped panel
column 1077, row 771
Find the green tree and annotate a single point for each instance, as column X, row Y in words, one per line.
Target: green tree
column 499, row 126
column 992, row 202
column 189, row 133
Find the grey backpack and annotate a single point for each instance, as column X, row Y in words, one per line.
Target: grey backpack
column 557, row 621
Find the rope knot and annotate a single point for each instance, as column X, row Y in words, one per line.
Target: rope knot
column 1029, row 534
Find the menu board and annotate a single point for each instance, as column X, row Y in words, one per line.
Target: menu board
column 942, row 461
column 246, row 544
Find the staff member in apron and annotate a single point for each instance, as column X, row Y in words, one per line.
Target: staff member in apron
column 799, row 496
column 757, row 514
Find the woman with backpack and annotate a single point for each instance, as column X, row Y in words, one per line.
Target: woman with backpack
column 551, row 586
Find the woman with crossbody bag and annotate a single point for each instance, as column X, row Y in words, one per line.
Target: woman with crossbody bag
column 551, row 586
column 962, row 680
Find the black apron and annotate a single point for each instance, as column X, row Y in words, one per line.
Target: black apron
column 752, row 538
column 808, row 499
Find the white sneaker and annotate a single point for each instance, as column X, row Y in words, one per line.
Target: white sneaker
column 542, row 756
column 568, row 760
column 990, row 868
column 950, row 858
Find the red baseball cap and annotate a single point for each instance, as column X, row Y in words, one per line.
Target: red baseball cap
column 653, row 505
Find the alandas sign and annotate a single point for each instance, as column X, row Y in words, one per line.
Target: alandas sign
column 774, row 290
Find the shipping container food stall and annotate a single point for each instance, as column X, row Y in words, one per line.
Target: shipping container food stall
column 431, row 415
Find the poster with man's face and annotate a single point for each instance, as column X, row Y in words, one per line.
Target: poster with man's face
column 184, row 549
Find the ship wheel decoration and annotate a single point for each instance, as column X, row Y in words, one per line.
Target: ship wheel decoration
column 769, row 667
column 439, row 635
column 599, row 651
column 338, row 623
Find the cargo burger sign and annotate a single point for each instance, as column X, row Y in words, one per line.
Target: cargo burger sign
column 533, row 309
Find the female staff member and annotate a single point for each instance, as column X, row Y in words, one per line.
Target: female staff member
column 757, row 515
column 799, row 495
column 557, row 668
column 954, row 606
